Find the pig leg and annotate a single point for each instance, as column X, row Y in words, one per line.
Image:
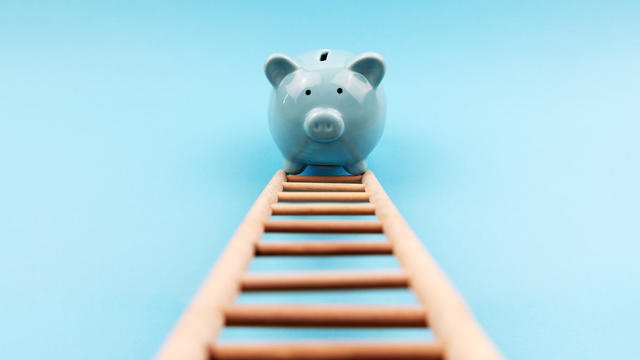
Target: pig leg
column 357, row 168
column 292, row 167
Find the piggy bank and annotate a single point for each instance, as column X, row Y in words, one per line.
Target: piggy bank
column 327, row 108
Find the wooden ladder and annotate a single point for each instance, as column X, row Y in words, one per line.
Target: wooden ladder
column 457, row 335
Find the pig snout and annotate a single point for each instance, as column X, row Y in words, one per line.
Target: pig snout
column 324, row 125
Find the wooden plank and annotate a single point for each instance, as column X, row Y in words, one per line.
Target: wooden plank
column 311, row 186
column 283, row 315
column 324, row 280
column 326, row 350
column 324, row 227
column 325, row 179
column 323, row 209
column 451, row 320
column 203, row 320
column 323, row 248
column 324, row 196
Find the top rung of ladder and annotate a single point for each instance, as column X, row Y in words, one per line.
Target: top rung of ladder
column 325, row 179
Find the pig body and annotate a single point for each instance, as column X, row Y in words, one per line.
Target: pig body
column 327, row 108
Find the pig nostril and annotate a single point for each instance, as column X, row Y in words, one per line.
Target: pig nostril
column 324, row 125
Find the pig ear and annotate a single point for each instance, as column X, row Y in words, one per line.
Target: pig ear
column 371, row 65
column 277, row 67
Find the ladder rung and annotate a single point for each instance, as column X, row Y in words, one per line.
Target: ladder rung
column 324, row 196
column 325, row 179
column 324, row 280
column 324, row 350
column 319, row 226
column 323, row 209
column 311, row 186
column 325, row 315
column 323, row 248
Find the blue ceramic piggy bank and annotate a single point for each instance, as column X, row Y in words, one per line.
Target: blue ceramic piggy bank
column 327, row 108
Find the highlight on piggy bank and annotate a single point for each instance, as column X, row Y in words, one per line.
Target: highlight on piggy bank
column 327, row 108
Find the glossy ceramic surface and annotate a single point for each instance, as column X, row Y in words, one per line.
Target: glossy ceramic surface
column 327, row 108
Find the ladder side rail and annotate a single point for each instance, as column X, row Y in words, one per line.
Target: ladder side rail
column 202, row 321
column 449, row 317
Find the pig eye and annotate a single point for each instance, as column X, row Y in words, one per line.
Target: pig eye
column 339, row 90
column 308, row 92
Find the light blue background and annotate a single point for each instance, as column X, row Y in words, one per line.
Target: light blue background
column 133, row 139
